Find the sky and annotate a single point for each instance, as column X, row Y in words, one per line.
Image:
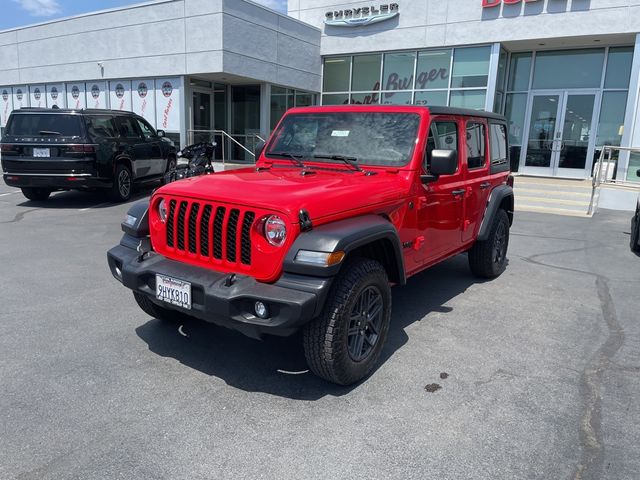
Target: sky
column 17, row 13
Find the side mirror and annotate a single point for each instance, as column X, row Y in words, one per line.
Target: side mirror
column 258, row 150
column 444, row 162
column 160, row 133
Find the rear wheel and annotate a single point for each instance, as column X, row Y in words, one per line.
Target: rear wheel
column 36, row 194
column 344, row 343
column 122, row 184
column 158, row 312
column 488, row 258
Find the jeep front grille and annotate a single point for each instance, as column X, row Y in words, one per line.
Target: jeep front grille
column 212, row 231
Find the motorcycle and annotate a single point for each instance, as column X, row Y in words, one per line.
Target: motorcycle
column 199, row 158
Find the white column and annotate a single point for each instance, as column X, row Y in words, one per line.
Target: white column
column 631, row 135
column 494, row 63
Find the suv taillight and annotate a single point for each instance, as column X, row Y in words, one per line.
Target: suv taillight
column 6, row 148
column 82, row 148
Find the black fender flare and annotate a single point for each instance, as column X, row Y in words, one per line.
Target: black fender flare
column 136, row 224
column 496, row 199
column 347, row 236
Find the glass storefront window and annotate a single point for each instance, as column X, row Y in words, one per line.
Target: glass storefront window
column 519, row 71
column 471, row 67
column 335, row 99
column 515, row 111
column 336, row 74
column 398, row 71
column 619, row 67
column 366, row 73
column 431, row 98
column 634, row 167
column 278, row 108
column 365, row 98
column 304, row 99
column 396, row 98
column 474, row 99
column 502, row 70
column 569, row 69
column 610, row 125
column 433, row 69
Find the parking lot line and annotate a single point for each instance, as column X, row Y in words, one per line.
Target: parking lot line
column 100, row 205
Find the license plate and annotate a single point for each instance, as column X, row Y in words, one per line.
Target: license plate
column 42, row 152
column 173, row 291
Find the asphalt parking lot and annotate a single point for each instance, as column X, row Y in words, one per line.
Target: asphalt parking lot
column 543, row 368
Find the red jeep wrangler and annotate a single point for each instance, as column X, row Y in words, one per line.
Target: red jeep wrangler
column 343, row 202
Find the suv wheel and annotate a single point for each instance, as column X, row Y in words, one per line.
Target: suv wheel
column 344, row 343
column 158, row 312
column 172, row 163
column 488, row 258
column 36, row 194
column 122, row 184
column 635, row 232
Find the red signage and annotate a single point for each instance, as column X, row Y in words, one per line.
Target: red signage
column 495, row 3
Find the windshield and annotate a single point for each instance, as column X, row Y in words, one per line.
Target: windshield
column 43, row 124
column 368, row 138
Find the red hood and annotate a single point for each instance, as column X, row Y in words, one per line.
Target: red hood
column 285, row 190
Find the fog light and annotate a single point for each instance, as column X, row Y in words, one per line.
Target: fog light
column 118, row 271
column 261, row 310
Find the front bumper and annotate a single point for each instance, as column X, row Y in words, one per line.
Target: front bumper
column 56, row 182
column 293, row 300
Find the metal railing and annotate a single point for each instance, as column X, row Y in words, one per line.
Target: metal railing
column 231, row 146
column 605, row 170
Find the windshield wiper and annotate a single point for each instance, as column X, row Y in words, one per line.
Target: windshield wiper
column 296, row 158
column 49, row 132
column 351, row 161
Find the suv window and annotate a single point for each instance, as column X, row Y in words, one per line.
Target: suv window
column 476, row 156
column 442, row 136
column 101, row 127
column 146, row 129
column 43, row 124
column 127, row 127
column 498, row 142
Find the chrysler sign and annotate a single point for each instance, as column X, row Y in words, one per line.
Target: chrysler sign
column 355, row 17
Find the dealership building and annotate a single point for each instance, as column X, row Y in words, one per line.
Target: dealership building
column 565, row 73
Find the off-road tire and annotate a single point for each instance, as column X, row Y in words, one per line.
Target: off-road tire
column 635, row 233
column 122, row 184
column 488, row 258
column 158, row 312
column 36, row 194
column 326, row 339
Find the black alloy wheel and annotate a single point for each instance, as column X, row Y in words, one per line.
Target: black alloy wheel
column 365, row 324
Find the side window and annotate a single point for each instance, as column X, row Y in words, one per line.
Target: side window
column 101, row 127
column 442, row 136
column 498, row 143
column 146, row 129
column 476, row 152
column 127, row 128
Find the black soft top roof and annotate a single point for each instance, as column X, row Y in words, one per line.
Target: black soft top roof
column 467, row 112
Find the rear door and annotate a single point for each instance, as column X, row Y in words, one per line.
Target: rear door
column 134, row 145
column 476, row 172
column 440, row 208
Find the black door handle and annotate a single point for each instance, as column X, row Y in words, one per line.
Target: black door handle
column 458, row 192
column 485, row 185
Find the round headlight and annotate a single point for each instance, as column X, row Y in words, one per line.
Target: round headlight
column 275, row 230
column 162, row 210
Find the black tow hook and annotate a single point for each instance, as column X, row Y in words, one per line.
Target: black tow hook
column 143, row 249
column 230, row 280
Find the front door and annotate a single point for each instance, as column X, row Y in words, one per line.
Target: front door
column 559, row 134
column 202, row 117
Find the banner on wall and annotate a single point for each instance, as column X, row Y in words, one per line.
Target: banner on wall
column 144, row 100
column 120, row 95
column 75, row 96
column 56, row 96
column 168, row 104
column 6, row 105
column 96, row 94
column 37, row 96
column 20, row 97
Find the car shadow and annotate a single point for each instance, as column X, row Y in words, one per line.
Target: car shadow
column 75, row 199
column 277, row 365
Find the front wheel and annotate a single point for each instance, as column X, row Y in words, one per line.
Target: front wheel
column 488, row 258
column 36, row 194
column 158, row 312
column 344, row 343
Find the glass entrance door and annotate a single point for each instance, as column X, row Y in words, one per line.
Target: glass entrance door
column 202, row 115
column 560, row 141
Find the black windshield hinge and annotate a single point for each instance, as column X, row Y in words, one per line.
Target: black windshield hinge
column 305, row 221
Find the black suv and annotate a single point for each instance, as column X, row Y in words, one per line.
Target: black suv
column 44, row 150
